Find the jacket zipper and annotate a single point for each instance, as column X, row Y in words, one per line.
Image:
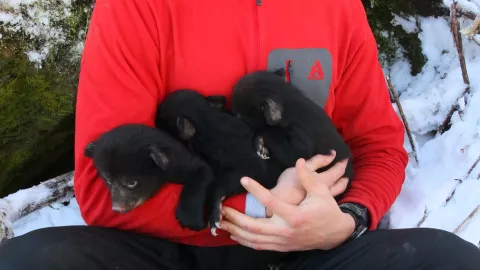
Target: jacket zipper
column 256, row 37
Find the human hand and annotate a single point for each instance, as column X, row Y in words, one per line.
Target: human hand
column 290, row 190
column 316, row 223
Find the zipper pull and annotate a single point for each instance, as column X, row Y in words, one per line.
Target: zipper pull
column 259, row 2
column 289, row 72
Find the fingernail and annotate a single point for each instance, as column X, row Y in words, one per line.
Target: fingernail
column 224, row 213
column 222, row 225
column 244, row 181
column 332, row 152
column 233, row 238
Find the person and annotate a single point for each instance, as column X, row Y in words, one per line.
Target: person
column 136, row 52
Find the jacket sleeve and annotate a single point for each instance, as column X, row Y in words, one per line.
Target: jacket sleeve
column 365, row 117
column 121, row 82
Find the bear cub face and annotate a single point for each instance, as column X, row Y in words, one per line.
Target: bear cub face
column 131, row 164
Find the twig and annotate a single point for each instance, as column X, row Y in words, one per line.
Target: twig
column 468, row 14
column 467, row 220
column 402, row 114
column 460, row 181
column 450, row 196
column 473, row 30
column 473, row 167
column 446, row 122
column 425, row 215
column 455, row 29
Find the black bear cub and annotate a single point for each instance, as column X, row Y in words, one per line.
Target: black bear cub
column 135, row 160
column 291, row 125
column 227, row 143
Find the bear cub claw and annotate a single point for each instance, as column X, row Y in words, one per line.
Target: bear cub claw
column 262, row 151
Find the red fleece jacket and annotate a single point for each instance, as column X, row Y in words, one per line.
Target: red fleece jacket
column 138, row 51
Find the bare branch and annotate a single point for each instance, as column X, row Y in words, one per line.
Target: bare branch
column 467, row 220
column 467, row 14
column 425, row 215
column 450, row 196
column 402, row 114
column 53, row 190
column 446, row 123
column 472, row 32
column 473, row 167
column 455, row 29
column 473, row 29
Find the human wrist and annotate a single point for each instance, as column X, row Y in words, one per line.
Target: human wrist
column 348, row 226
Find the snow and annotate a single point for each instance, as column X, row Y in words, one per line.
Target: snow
column 55, row 215
column 426, row 100
column 409, row 24
column 40, row 23
column 438, row 191
column 465, row 5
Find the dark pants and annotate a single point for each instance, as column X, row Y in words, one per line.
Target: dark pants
column 93, row 248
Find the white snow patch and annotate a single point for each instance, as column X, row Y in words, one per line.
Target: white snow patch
column 38, row 24
column 408, row 24
column 55, row 215
column 465, row 5
column 426, row 100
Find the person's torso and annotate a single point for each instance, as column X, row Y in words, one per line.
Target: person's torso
column 207, row 45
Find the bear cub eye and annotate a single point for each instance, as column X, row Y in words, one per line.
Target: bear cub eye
column 132, row 184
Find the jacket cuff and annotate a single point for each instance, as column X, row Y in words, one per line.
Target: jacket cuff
column 253, row 207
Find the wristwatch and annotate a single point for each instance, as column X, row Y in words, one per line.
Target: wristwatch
column 360, row 215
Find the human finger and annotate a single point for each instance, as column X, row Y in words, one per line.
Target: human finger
column 339, row 186
column 261, row 246
column 319, row 161
column 267, row 199
column 332, row 175
column 307, row 179
column 237, row 231
column 254, row 225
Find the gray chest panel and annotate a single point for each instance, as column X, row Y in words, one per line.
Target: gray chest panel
column 311, row 70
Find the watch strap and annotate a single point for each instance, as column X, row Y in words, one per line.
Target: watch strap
column 360, row 216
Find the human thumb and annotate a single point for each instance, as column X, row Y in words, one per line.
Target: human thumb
column 307, row 178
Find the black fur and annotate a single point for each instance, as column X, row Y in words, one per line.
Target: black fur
column 135, row 161
column 291, row 124
column 227, row 143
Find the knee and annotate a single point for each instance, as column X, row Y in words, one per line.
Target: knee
column 37, row 249
column 439, row 249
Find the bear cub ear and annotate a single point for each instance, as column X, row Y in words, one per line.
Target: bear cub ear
column 88, row 151
column 185, row 127
column 217, row 101
column 159, row 157
column 273, row 112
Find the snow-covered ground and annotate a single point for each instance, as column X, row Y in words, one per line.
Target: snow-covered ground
column 444, row 160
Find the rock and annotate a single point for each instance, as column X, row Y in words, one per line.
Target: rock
column 40, row 49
